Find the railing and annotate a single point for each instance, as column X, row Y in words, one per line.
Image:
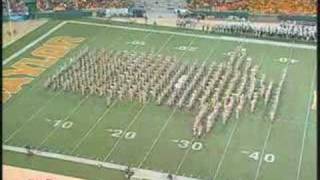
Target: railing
column 53, row 15
column 62, row 14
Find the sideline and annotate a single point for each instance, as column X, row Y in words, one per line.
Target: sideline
column 226, row 38
column 138, row 172
column 18, row 53
column 306, row 122
column 23, row 35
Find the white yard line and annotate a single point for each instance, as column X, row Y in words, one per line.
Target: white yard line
column 263, row 150
column 230, row 137
column 101, row 117
column 157, row 138
column 306, row 125
column 164, row 44
column 31, row 117
column 124, row 132
column 187, row 152
column 228, row 142
column 37, row 112
column 225, row 38
column 291, row 122
column 39, row 82
column 225, row 150
column 18, row 53
column 134, row 118
column 166, row 123
column 140, row 164
column 146, row 174
column 21, row 36
column 93, row 127
column 184, row 157
column 66, row 118
column 267, row 137
column 142, row 108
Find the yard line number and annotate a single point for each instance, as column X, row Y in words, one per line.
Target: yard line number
column 61, row 124
column 184, row 144
column 285, row 60
column 186, row 48
column 117, row 133
column 137, row 43
column 255, row 155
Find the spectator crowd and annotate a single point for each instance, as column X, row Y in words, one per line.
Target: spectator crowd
column 299, row 7
column 93, row 4
column 17, row 7
column 61, row 5
column 56, row 5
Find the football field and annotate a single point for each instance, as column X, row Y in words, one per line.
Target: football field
column 157, row 140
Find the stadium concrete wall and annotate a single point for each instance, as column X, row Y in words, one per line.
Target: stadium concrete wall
column 53, row 15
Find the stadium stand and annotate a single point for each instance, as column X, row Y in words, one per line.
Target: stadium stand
column 163, row 8
column 298, row 7
column 17, row 7
column 62, row 5
column 4, row 8
column 94, row 4
column 219, row 5
column 233, row 5
column 56, row 5
column 302, row 7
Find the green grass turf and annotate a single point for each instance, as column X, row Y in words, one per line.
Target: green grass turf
column 65, row 167
column 221, row 153
column 196, row 31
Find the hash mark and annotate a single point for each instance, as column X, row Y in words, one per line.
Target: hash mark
column 245, row 152
column 48, row 120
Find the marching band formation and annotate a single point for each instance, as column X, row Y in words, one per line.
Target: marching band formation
column 209, row 90
column 287, row 30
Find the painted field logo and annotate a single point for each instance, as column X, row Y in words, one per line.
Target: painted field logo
column 25, row 70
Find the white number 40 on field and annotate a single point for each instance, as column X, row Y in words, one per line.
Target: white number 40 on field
column 269, row 157
column 288, row 60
